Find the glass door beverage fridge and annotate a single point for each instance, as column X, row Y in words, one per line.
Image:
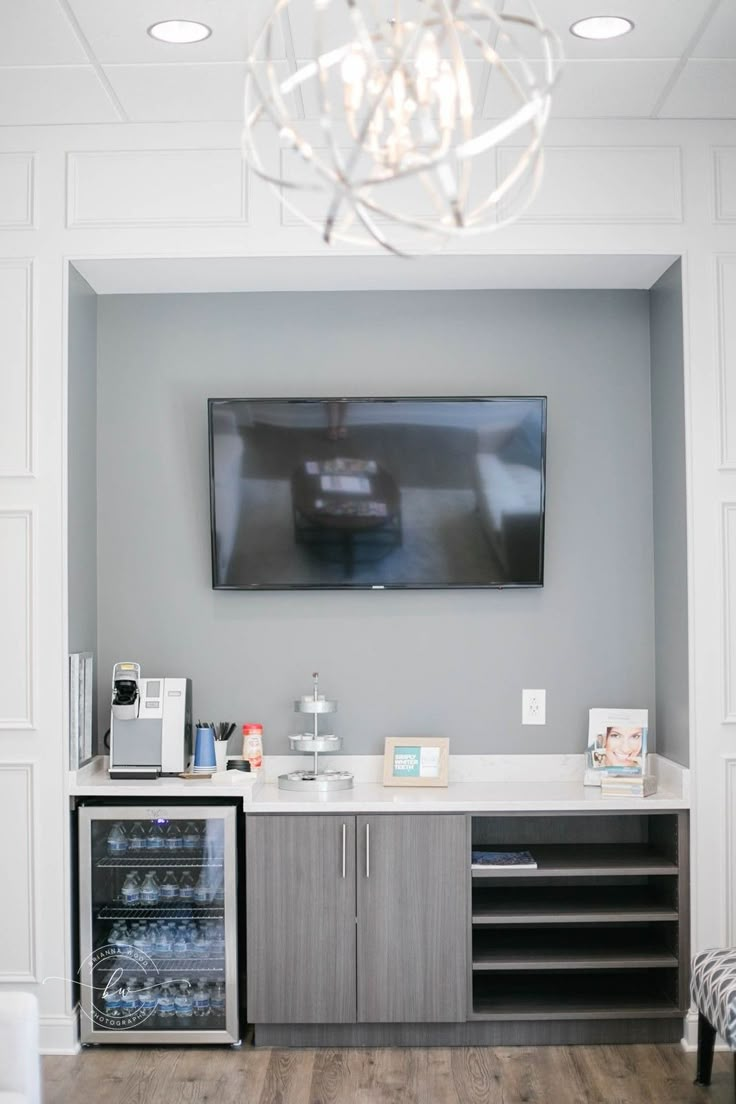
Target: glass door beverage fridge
column 158, row 924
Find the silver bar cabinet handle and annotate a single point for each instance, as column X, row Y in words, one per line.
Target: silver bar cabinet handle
column 367, row 850
column 344, row 832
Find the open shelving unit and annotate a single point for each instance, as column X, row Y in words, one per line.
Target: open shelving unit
column 599, row 930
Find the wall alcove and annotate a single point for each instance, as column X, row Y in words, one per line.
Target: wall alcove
column 601, row 336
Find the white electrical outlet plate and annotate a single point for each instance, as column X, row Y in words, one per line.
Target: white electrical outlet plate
column 533, row 707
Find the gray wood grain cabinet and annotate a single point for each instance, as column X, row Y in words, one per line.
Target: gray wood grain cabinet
column 412, row 919
column 401, row 884
column 300, row 916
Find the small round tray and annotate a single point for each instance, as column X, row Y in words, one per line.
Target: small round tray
column 310, row 705
column 308, row 742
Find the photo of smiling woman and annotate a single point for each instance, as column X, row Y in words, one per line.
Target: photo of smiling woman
column 623, row 747
column 617, row 743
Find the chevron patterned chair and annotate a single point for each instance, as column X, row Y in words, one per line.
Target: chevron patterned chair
column 713, row 990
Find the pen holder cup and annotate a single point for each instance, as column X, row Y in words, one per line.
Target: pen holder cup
column 221, row 754
column 204, row 750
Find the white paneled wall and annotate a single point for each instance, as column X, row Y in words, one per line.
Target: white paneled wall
column 18, row 871
column 181, row 191
column 146, row 188
column 16, row 306
column 578, row 184
column 16, row 191
column 16, row 615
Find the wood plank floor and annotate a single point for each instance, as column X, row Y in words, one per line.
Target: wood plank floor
column 470, row 1075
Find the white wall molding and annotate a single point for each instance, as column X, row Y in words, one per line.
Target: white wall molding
column 726, row 323
column 174, row 188
column 19, row 867
column 17, row 327
column 604, row 184
column 59, row 1034
column 17, row 616
column 728, row 537
column 724, row 184
column 730, row 847
column 17, row 191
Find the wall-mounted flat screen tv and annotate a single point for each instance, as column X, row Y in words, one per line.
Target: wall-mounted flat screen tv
column 377, row 493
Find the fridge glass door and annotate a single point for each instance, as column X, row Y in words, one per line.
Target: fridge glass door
column 158, row 925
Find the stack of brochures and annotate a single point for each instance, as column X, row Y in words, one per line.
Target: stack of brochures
column 628, row 785
column 504, row 859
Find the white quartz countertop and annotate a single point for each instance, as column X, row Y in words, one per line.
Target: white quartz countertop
column 488, row 796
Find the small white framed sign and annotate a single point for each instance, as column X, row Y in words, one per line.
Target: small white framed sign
column 415, row 760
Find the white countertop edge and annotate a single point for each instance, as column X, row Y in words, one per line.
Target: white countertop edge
column 260, row 795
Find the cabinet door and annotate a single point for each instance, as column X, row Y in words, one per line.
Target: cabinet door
column 300, row 886
column 413, row 900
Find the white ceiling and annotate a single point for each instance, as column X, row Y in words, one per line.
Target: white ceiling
column 91, row 61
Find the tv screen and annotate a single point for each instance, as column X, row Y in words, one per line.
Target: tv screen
column 377, row 493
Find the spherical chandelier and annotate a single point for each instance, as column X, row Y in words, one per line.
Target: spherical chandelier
column 410, row 123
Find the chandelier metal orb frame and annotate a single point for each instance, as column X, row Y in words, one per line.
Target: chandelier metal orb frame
column 396, row 152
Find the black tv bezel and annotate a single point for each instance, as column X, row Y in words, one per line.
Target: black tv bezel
column 255, row 587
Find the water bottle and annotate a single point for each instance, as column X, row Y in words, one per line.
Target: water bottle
column 149, row 890
column 180, row 946
column 173, row 840
column 131, row 891
column 142, row 938
column 155, row 838
column 201, row 947
column 220, row 890
column 169, row 887
column 201, row 999
column 112, row 1002
column 117, row 842
column 166, row 1008
column 148, row 1000
column 129, row 997
column 183, row 1003
column 137, row 838
column 161, row 941
column 218, row 942
column 217, row 999
column 202, row 890
column 186, row 887
column 190, row 837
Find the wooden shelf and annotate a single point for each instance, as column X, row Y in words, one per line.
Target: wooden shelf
column 502, row 906
column 585, row 860
column 572, row 960
column 573, row 997
column 605, row 948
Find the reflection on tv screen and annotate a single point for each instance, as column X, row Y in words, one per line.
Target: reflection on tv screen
column 377, row 492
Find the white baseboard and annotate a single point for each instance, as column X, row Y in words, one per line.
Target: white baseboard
column 689, row 1041
column 59, row 1034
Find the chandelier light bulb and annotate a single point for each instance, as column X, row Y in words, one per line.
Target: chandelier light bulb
column 399, row 148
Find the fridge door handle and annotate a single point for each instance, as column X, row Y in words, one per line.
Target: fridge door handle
column 367, row 850
column 344, row 859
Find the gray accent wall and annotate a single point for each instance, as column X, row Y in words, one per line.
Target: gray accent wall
column 400, row 663
column 670, row 519
column 82, row 466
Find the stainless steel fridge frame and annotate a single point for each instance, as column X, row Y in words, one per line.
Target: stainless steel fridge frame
column 228, row 814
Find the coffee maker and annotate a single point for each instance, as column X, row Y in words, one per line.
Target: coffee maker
column 150, row 724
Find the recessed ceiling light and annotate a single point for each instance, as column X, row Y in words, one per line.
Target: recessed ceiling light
column 180, row 31
column 602, row 26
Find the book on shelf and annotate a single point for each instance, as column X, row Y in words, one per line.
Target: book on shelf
column 504, row 859
column 613, row 785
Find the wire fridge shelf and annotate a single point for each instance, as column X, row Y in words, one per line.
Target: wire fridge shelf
column 188, row 911
column 172, row 861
